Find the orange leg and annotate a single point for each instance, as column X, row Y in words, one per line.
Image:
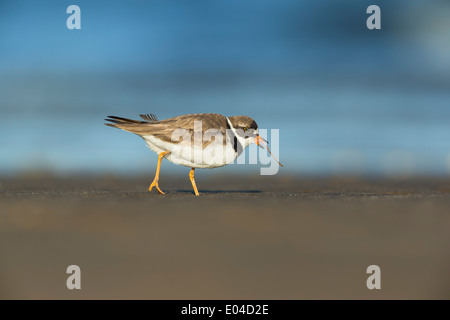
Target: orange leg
column 155, row 181
column 191, row 176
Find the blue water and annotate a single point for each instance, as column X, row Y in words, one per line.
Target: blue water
column 345, row 99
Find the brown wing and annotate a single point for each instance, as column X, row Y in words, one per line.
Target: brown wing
column 163, row 129
column 187, row 122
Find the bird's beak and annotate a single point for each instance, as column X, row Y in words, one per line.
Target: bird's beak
column 258, row 139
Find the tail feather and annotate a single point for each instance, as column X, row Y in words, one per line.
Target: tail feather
column 122, row 120
column 126, row 124
column 111, row 125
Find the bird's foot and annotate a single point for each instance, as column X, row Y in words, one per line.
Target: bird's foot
column 194, row 185
column 155, row 184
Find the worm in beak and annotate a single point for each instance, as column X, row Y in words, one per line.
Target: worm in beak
column 259, row 140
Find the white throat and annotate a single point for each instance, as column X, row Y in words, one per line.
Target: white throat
column 237, row 133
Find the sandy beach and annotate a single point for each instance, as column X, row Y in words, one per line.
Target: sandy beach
column 260, row 237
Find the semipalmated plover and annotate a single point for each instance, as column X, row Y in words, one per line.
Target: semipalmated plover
column 205, row 140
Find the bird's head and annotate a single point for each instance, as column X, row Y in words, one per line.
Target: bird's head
column 246, row 129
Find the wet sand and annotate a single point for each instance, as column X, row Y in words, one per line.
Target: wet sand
column 261, row 237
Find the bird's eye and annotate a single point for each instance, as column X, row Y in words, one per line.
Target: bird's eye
column 245, row 129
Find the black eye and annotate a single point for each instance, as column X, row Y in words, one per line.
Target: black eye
column 245, row 129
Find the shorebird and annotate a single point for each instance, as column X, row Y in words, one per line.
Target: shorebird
column 185, row 139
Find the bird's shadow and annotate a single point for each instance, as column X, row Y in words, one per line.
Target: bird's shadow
column 218, row 191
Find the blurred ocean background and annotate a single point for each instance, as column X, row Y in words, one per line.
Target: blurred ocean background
column 347, row 100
